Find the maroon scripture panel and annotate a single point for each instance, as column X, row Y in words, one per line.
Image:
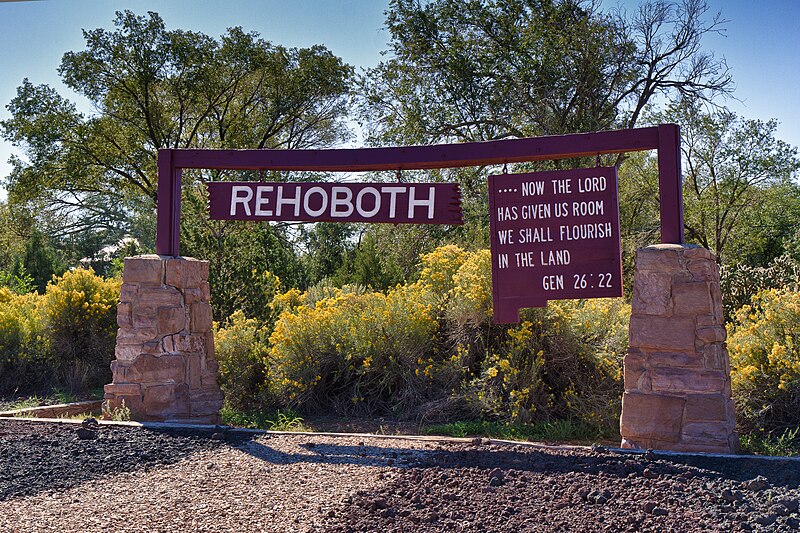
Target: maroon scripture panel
column 554, row 235
column 396, row 203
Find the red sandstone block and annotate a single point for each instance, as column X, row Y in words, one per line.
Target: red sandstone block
column 160, row 297
column 186, row 272
column 695, row 252
column 711, row 335
column 201, row 317
column 123, row 389
column 193, row 371
column 701, row 407
column 678, row 380
column 651, row 416
column 166, row 401
column 693, row 359
column 127, row 352
column 715, row 357
column 143, row 316
column 209, row 346
column 143, row 268
column 190, row 343
column 171, row 320
column 137, row 335
column 124, row 315
column 129, row 292
column 634, row 366
column 191, row 296
column 712, row 433
column 660, row 333
column 704, row 270
column 157, row 369
column 206, row 290
column 651, row 293
column 691, row 299
column 665, row 258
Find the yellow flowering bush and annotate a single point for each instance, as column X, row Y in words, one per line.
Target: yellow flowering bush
column 23, row 345
column 241, row 347
column 353, row 352
column 79, row 314
column 764, row 348
column 563, row 361
column 470, row 301
column 439, row 267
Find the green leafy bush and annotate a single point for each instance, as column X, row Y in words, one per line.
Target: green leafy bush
column 739, row 282
column 764, row 347
column 241, row 348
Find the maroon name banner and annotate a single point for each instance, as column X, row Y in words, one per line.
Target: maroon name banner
column 395, row 203
column 554, row 235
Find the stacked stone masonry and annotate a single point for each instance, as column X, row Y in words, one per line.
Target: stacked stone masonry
column 677, row 372
column 165, row 368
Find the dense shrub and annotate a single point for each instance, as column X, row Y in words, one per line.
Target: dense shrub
column 764, row 347
column 79, row 311
column 63, row 338
column 355, row 353
column 429, row 349
column 24, row 355
column 241, row 351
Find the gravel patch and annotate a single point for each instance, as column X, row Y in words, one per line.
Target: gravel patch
column 126, row 479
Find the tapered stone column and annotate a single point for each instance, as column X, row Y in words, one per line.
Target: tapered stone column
column 165, row 368
column 677, row 372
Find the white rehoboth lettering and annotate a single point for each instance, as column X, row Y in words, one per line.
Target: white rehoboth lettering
column 337, row 201
column 393, row 192
column 237, row 198
column 307, row 201
column 281, row 201
column 341, row 197
column 360, row 202
column 262, row 201
column 413, row 203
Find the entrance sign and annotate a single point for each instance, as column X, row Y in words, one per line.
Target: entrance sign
column 665, row 138
column 554, row 235
column 397, row 203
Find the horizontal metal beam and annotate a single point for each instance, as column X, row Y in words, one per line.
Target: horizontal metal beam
column 424, row 157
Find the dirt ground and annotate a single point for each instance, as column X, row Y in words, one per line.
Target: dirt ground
column 59, row 477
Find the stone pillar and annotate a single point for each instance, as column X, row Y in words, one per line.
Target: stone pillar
column 677, row 372
column 165, row 368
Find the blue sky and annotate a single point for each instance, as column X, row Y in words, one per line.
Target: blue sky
column 762, row 42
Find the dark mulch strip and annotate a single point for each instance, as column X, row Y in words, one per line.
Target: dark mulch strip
column 36, row 457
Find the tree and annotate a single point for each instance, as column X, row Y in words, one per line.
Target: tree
column 740, row 199
column 155, row 88
column 491, row 69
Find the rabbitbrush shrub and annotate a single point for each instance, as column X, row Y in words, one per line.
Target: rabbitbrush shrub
column 354, row 353
column 24, row 355
column 764, row 347
column 79, row 315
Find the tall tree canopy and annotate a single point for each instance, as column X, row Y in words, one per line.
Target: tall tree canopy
column 491, row 69
column 153, row 88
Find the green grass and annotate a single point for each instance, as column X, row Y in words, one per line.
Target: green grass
column 786, row 444
column 286, row 420
column 557, row 431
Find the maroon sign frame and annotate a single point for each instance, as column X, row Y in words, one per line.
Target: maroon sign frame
column 396, row 203
column 665, row 138
column 554, row 235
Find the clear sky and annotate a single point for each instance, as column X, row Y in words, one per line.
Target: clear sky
column 762, row 42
